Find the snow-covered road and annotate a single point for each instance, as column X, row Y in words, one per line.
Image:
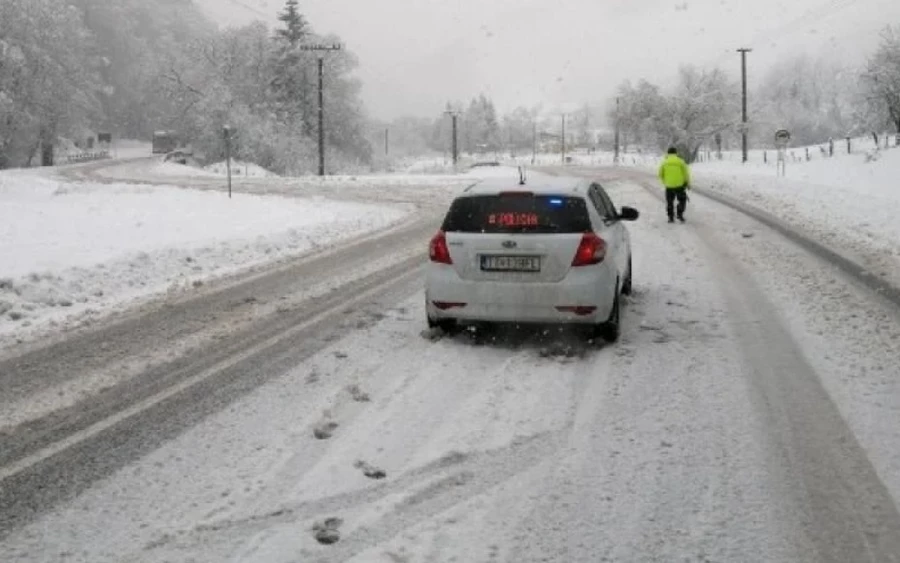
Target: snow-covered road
column 749, row 413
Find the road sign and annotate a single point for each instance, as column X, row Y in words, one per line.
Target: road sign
column 782, row 137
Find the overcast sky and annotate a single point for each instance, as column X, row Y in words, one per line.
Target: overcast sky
column 416, row 54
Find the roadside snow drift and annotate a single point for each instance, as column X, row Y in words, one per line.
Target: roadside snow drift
column 849, row 202
column 70, row 249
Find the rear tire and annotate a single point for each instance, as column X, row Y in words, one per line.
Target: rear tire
column 611, row 329
column 626, row 285
column 447, row 326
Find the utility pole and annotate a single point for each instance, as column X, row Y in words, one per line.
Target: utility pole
column 321, row 61
column 533, row 141
column 743, row 52
column 563, row 138
column 321, row 116
column 226, row 133
column 387, row 133
column 453, row 117
column 616, row 160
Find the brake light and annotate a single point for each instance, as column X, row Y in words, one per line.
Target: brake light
column 592, row 250
column 580, row 310
column 438, row 250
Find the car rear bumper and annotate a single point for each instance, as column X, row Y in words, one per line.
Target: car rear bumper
column 450, row 297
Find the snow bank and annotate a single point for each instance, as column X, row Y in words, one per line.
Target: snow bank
column 162, row 169
column 239, row 168
column 850, row 201
column 68, row 250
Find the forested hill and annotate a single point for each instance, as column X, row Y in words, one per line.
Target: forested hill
column 71, row 68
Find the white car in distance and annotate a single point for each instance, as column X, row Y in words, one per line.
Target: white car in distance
column 552, row 252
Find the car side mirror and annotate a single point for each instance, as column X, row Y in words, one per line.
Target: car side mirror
column 628, row 214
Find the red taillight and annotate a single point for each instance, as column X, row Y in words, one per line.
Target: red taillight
column 592, row 250
column 580, row 310
column 438, row 250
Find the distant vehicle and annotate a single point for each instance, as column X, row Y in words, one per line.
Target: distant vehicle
column 179, row 156
column 556, row 252
column 485, row 163
column 164, row 142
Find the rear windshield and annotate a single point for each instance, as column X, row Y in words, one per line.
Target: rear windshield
column 517, row 213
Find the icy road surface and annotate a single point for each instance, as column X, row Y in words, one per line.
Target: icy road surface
column 749, row 413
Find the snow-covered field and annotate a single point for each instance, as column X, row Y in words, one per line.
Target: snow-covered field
column 77, row 250
column 848, row 201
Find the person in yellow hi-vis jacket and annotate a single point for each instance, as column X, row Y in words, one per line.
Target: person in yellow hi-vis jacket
column 676, row 177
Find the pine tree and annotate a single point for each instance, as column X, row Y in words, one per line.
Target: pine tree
column 291, row 85
column 295, row 27
column 491, row 139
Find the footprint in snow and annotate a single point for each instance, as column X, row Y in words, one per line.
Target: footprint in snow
column 324, row 430
column 370, row 471
column 327, row 532
column 358, row 394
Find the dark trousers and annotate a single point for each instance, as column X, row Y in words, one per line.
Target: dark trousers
column 671, row 195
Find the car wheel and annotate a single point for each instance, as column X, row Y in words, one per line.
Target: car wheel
column 610, row 330
column 626, row 285
column 447, row 326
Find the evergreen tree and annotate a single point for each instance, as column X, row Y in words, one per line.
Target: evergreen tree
column 295, row 26
column 291, row 84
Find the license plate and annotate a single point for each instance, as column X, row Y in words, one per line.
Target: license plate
column 511, row 263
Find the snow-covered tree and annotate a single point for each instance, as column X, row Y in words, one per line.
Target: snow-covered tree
column 583, row 120
column 295, row 27
column 49, row 83
column 293, row 81
column 480, row 127
column 518, row 128
column 638, row 114
column 72, row 68
column 811, row 97
column 882, row 76
column 701, row 105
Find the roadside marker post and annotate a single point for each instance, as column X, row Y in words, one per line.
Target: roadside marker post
column 782, row 138
column 226, row 132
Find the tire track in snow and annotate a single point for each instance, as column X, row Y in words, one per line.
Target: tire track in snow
column 400, row 503
column 662, row 465
column 849, row 514
column 161, row 330
column 176, row 395
column 458, row 404
column 864, row 276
